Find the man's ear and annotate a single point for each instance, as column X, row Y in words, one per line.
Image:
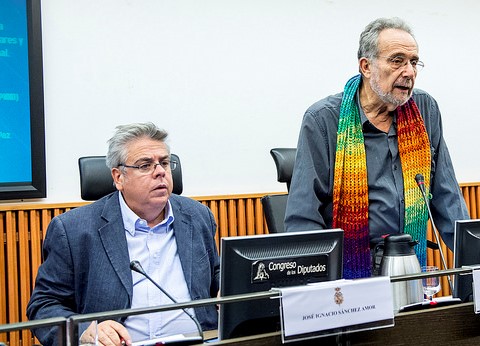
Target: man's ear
column 118, row 178
column 364, row 67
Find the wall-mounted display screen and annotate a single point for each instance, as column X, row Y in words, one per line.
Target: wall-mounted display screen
column 22, row 129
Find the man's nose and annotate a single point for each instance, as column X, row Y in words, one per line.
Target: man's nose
column 409, row 70
column 159, row 170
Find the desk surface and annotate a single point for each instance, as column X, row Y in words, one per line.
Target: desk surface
column 449, row 325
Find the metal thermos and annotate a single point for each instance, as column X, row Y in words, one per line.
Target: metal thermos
column 399, row 258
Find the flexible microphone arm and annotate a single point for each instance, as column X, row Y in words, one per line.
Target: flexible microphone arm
column 421, row 184
column 137, row 267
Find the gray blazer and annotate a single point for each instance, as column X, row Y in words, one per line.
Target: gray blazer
column 86, row 265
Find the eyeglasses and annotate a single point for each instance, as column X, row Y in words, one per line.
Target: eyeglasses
column 149, row 167
column 397, row 62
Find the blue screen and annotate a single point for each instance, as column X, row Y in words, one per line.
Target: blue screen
column 15, row 140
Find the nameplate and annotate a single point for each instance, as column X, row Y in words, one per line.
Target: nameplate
column 326, row 308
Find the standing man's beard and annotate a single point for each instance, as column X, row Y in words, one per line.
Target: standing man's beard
column 386, row 97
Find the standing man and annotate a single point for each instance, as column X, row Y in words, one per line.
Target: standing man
column 359, row 152
column 88, row 250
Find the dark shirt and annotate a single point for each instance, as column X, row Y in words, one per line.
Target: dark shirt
column 310, row 201
column 385, row 170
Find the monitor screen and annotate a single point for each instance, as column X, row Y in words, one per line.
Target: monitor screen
column 22, row 119
column 260, row 262
column 466, row 252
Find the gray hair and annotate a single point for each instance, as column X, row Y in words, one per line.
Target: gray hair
column 368, row 47
column 125, row 134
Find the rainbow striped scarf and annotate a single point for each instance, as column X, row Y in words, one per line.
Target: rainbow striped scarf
column 350, row 189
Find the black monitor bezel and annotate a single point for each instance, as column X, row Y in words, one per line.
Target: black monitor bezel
column 37, row 188
column 268, row 325
column 462, row 284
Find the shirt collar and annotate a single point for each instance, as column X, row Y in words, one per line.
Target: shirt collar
column 133, row 222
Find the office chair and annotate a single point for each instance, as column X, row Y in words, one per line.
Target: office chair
column 284, row 160
column 96, row 180
column 274, row 205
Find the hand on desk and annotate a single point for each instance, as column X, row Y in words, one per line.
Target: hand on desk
column 109, row 333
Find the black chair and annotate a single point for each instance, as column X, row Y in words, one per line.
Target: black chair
column 274, row 205
column 96, row 179
column 284, row 160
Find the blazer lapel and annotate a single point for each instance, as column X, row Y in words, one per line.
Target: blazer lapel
column 183, row 228
column 112, row 235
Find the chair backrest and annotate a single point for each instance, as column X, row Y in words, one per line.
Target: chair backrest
column 274, row 210
column 96, row 179
column 284, row 160
column 274, row 206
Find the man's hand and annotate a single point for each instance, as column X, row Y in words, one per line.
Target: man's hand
column 109, row 333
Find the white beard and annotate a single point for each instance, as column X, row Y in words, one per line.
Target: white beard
column 386, row 97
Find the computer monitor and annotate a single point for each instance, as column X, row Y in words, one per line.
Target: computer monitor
column 466, row 252
column 260, row 262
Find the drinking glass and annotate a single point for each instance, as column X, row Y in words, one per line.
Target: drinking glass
column 431, row 285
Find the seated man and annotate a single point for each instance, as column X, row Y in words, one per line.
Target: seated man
column 88, row 250
column 359, row 151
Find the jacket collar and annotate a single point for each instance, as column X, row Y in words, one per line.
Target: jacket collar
column 112, row 235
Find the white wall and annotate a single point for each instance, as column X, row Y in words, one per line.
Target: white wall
column 231, row 79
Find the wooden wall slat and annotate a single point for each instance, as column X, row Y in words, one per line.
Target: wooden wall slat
column 24, row 265
column 250, row 216
column 46, row 218
column 36, row 241
column 466, row 197
column 232, row 217
column 241, row 216
column 472, row 207
column 223, row 220
column 473, row 202
column 260, row 223
column 475, row 207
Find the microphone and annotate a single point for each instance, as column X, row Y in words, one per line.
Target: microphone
column 421, row 184
column 137, row 267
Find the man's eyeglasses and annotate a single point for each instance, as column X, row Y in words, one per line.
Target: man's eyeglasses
column 149, row 167
column 397, row 62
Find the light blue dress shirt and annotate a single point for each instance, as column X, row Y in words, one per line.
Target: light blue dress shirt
column 156, row 250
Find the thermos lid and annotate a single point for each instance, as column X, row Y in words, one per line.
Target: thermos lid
column 399, row 245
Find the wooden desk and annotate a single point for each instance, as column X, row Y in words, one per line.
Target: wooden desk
column 450, row 325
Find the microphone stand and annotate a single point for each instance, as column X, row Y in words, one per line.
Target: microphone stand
column 137, row 267
column 421, row 184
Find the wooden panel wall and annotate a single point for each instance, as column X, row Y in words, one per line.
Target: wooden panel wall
column 23, row 227
column 236, row 215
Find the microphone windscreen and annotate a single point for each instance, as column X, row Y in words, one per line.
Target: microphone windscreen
column 136, row 266
column 419, row 179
